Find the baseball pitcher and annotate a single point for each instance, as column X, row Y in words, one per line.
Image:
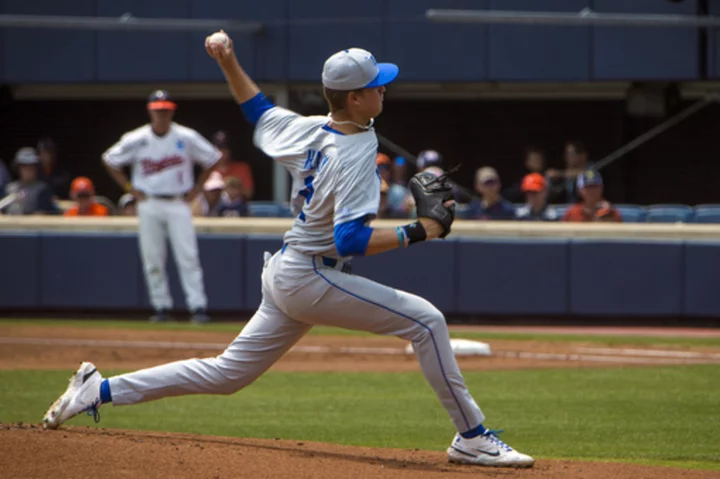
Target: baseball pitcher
column 336, row 192
column 162, row 155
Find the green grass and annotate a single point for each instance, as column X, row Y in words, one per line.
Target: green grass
column 329, row 331
column 662, row 416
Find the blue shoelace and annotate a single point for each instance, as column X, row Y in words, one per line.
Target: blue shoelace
column 94, row 412
column 493, row 434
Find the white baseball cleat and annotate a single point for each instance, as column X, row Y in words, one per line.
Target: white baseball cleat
column 486, row 450
column 81, row 395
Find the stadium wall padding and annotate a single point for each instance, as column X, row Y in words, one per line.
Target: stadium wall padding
column 529, row 277
column 290, row 49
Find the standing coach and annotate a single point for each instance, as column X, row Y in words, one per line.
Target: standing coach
column 162, row 155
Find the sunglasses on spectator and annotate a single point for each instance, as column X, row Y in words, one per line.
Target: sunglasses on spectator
column 490, row 182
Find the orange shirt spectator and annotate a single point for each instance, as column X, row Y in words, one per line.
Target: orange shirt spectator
column 82, row 191
column 226, row 166
column 593, row 206
column 95, row 209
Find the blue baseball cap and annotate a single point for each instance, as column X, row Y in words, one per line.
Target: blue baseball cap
column 589, row 178
column 355, row 68
column 428, row 158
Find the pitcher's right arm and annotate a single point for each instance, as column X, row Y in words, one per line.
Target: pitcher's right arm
column 241, row 85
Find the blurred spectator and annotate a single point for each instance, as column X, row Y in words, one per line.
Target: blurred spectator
column 233, row 203
column 397, row 195
column 431, row 161
column 593, row 206
column 208, row 203
column 82, row 192
column 57, row 179
column 563, row 182
column 4, row 175
column 536, row 208
column 384, row 209
column 384, row 166
column 534, row 162
column 127, row 205
column 492, row 206
column 227, row 166
column 28, row 195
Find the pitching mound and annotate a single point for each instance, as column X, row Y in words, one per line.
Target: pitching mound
column 30, row 451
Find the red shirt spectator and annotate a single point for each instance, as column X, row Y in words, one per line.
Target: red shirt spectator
column 593, row 206
column 226, row 166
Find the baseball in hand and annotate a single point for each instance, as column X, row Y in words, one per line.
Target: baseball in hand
column 219, row 39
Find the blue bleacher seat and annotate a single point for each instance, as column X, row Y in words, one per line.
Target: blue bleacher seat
column 631, row 213
column 463, row 211
column 264, row 209
column 669, row 213
column 707, row 214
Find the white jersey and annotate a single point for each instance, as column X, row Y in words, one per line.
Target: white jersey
column 162, row 165
column 335, row 179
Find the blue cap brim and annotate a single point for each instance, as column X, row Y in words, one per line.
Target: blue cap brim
column 386, row 74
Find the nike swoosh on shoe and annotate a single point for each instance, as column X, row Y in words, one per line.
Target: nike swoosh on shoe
column 493, row 454
column 87, row 376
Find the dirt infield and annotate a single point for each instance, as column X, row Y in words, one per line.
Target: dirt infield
column 72, row 452
column 47, row 347
column 30, row 452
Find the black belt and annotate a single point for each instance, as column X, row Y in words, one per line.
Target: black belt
column 165, row 197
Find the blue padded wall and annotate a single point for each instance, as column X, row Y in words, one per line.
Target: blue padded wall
column 503, row 276
column 46, row 55
column 702, row 263
column 539, row 53
column 652, row 53
column 263, row 56
column 626, row 278
column 21, row 262
column 500, row 276
column 432, row 51
column 143, row 55
column 310, row 45
column 425, row 270
column 713, row 51
column 89, row 271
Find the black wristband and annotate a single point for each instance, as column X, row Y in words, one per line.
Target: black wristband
column 415, row 232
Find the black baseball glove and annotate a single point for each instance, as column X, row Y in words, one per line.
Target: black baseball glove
column 431, row 193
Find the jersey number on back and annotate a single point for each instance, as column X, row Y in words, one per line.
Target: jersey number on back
column 314, row 163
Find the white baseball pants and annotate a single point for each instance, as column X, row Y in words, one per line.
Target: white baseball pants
column 160, row 220
column 298, row 293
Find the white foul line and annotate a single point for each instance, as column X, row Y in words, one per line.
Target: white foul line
column 651, row 352
column 690, row 358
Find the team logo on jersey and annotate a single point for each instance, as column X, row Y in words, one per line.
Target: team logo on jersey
column 150, row 167
column 180, row 144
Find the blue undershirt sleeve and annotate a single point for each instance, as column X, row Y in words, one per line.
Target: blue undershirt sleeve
column 254, row 108
column 352, row 237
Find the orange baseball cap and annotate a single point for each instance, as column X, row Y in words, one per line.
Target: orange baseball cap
column 533, row 182
column 82, row 184
column 382, row 160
